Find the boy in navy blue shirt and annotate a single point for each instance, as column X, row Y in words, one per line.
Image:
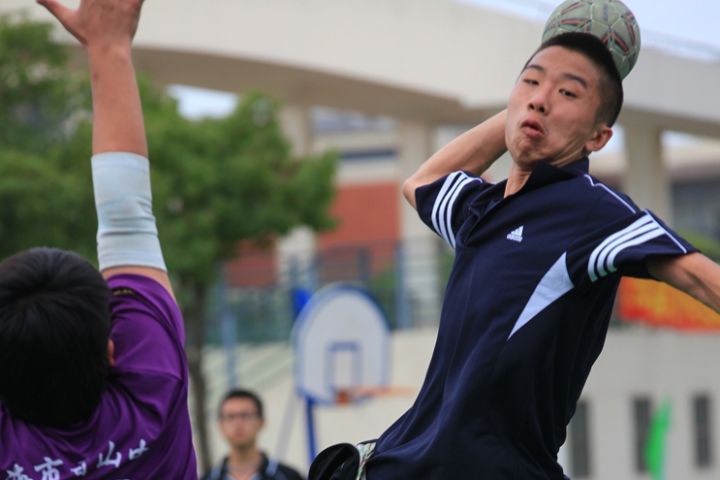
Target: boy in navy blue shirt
column 538, row 261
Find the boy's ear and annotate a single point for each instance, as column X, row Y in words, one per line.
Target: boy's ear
column 601, row 136
column 111, row 353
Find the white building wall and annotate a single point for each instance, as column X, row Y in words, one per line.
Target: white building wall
column 664, row 365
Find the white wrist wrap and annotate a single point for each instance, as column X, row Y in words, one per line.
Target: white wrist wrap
column 127, row 234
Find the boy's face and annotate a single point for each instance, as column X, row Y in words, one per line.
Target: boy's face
column 552, row 111
column 240, row 422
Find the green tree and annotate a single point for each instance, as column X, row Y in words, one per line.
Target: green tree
column 217, row 183
column 37, row 94
column 44, row 195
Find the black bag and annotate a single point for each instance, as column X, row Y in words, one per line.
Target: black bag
column 338, row 462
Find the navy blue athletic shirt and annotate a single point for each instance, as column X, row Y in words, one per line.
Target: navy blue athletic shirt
column 525, row 315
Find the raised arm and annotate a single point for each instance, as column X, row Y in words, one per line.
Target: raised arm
column 473, row 151
column 127, row 242
column 694, row 274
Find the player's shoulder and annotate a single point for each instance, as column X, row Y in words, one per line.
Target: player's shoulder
column 463, row 184
column 605, row 201
column 450, row 191
column 140, row 288
column 275, row 470
column 135, row 298
column 288, row 473
column 462, row 180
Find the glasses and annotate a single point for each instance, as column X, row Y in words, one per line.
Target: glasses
column 240, row 416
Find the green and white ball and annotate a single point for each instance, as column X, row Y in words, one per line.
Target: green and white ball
column 609, row 20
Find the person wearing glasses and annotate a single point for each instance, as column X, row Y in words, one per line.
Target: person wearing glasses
column 240, row 420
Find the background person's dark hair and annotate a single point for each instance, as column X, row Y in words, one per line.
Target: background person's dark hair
column 54, row 330
column 241, row 393
column 611, row 89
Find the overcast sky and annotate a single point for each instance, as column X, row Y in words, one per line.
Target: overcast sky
column 690, row 25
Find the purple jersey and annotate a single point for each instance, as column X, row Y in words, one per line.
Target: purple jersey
column 141, row 428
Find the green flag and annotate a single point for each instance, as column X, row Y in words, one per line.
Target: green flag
column 655, row 447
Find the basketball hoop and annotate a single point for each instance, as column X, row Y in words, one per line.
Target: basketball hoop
column 342, row 346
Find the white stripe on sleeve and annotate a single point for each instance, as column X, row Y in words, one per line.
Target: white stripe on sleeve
column 451, row 204
column 438, row 200
column 654, row 233
column 442, row 212
column 602, row 258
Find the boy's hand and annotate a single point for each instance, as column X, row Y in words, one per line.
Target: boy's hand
column 99, row 23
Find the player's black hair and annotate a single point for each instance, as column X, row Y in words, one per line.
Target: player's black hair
column 242, row 393
column 611, row 89
column 54, row 330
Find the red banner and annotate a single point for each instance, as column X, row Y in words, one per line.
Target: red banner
column 658, row 304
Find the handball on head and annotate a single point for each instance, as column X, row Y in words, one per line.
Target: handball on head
column 609, row 20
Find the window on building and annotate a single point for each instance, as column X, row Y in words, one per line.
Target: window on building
column 579, row 441
column 702, row 419
column 642, row 416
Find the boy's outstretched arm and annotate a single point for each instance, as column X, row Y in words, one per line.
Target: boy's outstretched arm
column 694, row 274
column 127, row 235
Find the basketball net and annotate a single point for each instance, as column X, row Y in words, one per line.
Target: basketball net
column 348, row 395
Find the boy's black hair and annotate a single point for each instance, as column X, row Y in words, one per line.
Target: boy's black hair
column 54, row 330
column 242, row 393
column 611, row 89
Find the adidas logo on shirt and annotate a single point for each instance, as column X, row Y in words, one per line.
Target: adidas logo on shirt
column 516, row 235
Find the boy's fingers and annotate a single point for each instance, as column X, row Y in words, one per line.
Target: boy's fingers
column 64, row 14
column 59, row 11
